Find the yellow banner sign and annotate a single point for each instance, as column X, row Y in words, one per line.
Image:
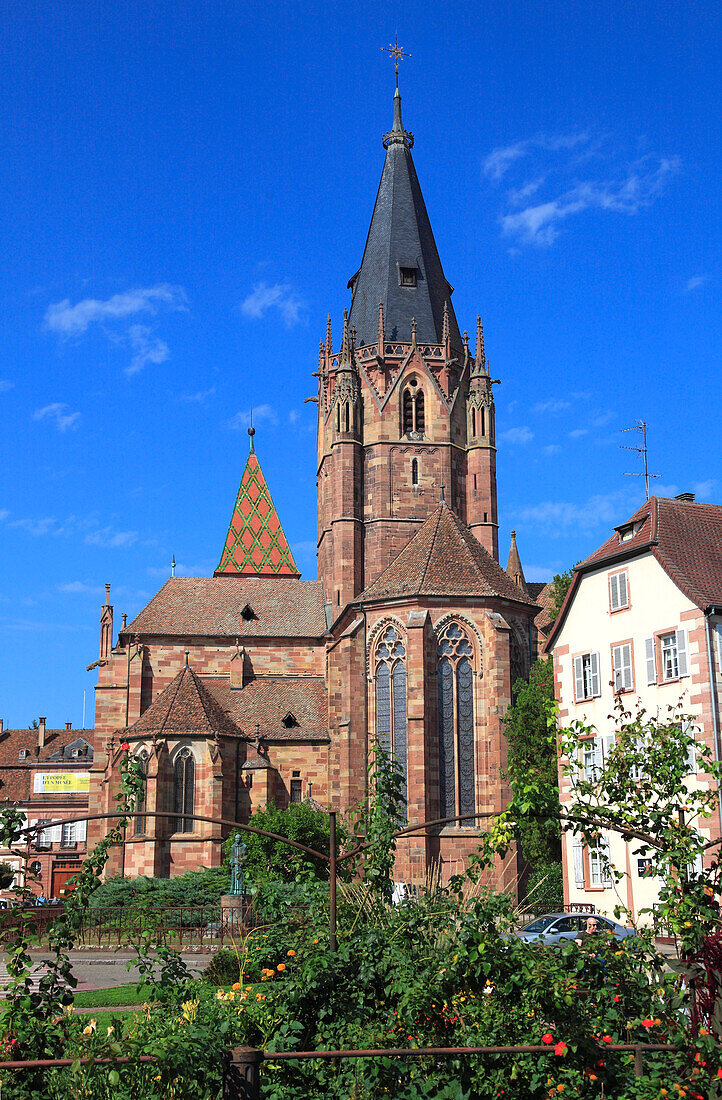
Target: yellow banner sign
column 62, row 783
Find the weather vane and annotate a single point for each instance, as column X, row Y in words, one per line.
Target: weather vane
column 396, row 52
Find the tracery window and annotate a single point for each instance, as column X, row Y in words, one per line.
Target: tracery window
column 413, row 410
column 139, row 820
column 391, row 696
column 457, row 772
column 184, row 790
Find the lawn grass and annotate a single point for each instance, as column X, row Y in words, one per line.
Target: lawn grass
column 116, row 995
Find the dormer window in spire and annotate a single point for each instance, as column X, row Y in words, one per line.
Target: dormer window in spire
column 413, row 420
column 408, row 276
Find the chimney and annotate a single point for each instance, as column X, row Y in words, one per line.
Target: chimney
column 41, row 733
column 68, row 725
column 2, row 725
column 686, row 498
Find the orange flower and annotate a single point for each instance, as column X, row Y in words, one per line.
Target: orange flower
column 236, row 985
column 281, row 966
column 290, row 954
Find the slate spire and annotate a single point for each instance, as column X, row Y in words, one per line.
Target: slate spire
column 401, row 265
column 255, row 544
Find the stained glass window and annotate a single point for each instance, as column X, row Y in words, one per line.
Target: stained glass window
column 140, row 819
column 457, row 771
column 183, row 791
column 391, row 696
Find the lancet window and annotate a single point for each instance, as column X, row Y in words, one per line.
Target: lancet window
column 184, row 790
column 457, row 772
column 140, row 803
column 390, row 677
column 413, row 410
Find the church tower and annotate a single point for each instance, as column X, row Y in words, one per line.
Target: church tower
column 405, row 410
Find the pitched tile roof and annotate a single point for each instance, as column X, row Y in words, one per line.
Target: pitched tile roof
column 267, row 700
column 283, row 607
column 255, row 543
column 15, row 774
column 444, row 559
column 541, row 593
column 186, row 706
column 684, row 537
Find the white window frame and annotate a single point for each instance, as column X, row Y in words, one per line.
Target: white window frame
column 599, row 870
column 620, row 666
column 68, row 838
column 619, row 590
column 587, row 681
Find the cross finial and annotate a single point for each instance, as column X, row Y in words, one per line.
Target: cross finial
column 395, row 51
column 252, row 432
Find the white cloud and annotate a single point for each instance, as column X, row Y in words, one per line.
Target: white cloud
column 80, row 588
column 110, row 539
column 147, row 348
column 294, row 416
column 58, row 415
column 631, row 192
column 704, row 489
column 259, row 413
column 501, row 159
column 197, row 398
column 517, row 435
column 695, row 282
column 561, row 517
column 68, row 320
column 553, row 405
column 552, row 449
column 280, row 296
column 5, row 385
column 578, row 433
column 4, row 513
column 36, row 527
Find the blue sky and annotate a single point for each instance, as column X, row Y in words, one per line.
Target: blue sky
column 186, row 191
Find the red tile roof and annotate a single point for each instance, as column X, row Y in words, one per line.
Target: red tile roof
column 542, row 596
column 269, row 699
column 444, row 559
column 185, row 707
column 684, row 537
column 255, row 543
column 212, row 607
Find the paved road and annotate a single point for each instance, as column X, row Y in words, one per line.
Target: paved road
column 103, row 969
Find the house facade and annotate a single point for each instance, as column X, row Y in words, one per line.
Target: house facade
column 642, row 621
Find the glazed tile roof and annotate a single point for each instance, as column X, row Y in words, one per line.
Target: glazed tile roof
column 684, row 537
column 444, row 559
column 282, row 607
column 185, row 706
column 255, row 543
column 269, row 699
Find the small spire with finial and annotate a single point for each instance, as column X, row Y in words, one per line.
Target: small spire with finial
column 321, row 354
column 413, row 331
column 329, row 346
column 345, row 352
column 172, row 566
column 381, row 328
column 466, row 340
column 445, row 332
column 480, row 358
column 395, row 51
column 397, row 135
column 251, row 433
column 188, row 653
column 107, row 595
column 443, row 494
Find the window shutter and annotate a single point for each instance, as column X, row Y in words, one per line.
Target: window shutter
column 614, row 591
column 594, row 674
column 682, row 652
column 55, row 834
column 718, row 632
column 608, row 745
column 622, row 662
column 650, row 659
column 578, row 678
column 605, row 863
column 578, row 864
column 81, row 830
column 623, row 601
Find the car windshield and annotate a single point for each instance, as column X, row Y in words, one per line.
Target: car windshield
column 539, row 925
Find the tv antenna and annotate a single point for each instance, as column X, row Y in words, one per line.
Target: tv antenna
column 640, row 426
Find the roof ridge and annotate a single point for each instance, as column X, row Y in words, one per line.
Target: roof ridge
column 440, row 512
column 203, row 694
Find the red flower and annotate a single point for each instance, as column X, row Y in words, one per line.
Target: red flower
column 719, row 1072
column 607, row 1039
column 616, row 997
column 647, row 1023
column 560, row 1048
column 548, row 1038
column 125, row 746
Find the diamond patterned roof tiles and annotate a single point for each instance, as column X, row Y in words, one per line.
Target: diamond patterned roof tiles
column 255, row 544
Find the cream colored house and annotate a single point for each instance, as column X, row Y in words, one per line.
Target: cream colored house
column 643, row 616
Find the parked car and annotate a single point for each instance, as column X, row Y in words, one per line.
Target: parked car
column 562, row 927
column 404, row 891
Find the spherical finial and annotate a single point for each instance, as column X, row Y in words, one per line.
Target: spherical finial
column 251, row 433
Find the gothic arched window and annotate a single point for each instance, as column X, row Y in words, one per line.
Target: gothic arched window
column 412, row 409
column 457, row 773
column 183, row 790
column 140, row 803
column 391, row 696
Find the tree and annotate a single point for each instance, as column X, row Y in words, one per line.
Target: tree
column 271, row 859
column 531, row 765
column 559, row 589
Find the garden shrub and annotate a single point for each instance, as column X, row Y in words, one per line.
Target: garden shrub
column 270, row 859
column 545, row 887
column 204, row 887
